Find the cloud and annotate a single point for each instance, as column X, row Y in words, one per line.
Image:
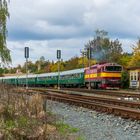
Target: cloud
column 119, row 18
column 38, row 48
column 47, row 25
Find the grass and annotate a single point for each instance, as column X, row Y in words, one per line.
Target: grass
column 21, row 117
column 65, row 128
column 80, row 138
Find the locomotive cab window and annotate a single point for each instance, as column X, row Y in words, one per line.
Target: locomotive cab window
column 113, row 68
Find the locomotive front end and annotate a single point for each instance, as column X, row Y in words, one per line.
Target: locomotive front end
column 104, row 76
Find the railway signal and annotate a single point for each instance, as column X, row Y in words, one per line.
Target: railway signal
column 58, row 57
column 26, row 53
column 58, row 54
column 89, row 53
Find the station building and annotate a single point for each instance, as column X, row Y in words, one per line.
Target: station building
column 134, row 75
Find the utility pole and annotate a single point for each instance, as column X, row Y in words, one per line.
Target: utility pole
column 26, row 57
column 83, row 53
column 89, row 64
column 58, row 57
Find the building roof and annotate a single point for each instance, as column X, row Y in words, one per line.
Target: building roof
column 133, row 68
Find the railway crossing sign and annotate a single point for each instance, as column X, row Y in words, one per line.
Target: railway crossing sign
column 26, row 52
column 58, row 54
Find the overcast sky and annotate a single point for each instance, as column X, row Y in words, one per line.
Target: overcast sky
column 47, row 25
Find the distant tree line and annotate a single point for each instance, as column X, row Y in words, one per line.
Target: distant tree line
column 45, row 66
column 103, row 49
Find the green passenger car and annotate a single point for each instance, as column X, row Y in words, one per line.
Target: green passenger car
column 12, row 80
column 47, row 79
column 67, row 79
column 72, row 78
column 21, row 80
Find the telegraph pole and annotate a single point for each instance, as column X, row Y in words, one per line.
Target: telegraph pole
column 58, row 57
column 26, row 57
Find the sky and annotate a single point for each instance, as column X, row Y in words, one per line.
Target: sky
column 48, row 25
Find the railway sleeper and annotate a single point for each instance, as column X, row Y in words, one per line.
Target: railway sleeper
column 124, row 115
column 109, row 110
column 104, row 110
column 116, row 112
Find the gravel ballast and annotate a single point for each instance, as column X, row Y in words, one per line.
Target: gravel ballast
column 94, row 125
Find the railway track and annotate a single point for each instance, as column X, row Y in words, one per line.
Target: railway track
column 125, row 112
column 102, row 99
column 98, row 93
column 107, row 92
column 125, row 109
column 98, row 98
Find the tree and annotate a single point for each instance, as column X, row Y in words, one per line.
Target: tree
column 4, row 14
column 125, row 79
column 54, row 66
column 125, row 59
column 42, row 65
column 114, row 51
column 104, row 49
column 135, row 61
column 1, row 72
column 42, row 59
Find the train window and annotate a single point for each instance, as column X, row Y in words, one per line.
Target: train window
column 113, row 68
column 41, row 78
column 61, row 77
column 76, row 75
column 31, row 79
column 49, row 77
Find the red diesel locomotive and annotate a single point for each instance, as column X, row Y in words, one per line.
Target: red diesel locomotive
column 105, row 76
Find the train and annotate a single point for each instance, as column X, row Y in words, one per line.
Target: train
column 102, row 75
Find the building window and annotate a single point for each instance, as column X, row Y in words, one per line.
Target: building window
column 131, row 77
column 135, row 76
